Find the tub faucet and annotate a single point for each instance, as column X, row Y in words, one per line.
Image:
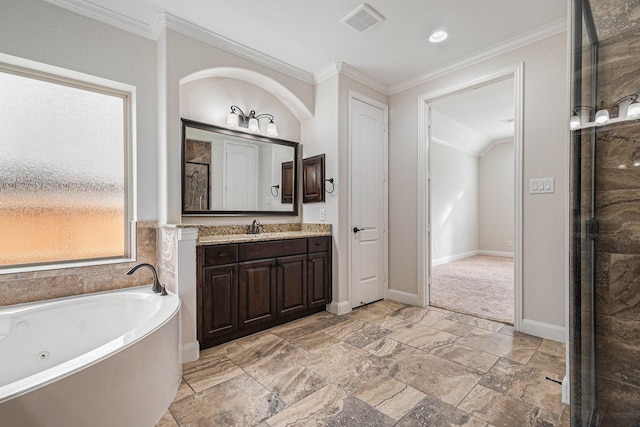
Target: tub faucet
column 157, row 287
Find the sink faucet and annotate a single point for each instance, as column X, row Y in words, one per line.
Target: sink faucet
column 157, row 287
column 254, row 228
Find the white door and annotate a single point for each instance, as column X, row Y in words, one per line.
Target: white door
column 367, row 166
column 240, row 177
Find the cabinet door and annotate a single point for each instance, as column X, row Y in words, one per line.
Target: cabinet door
column 319, row 284
column 292, row 285
column 219, row 301
column 257, row 283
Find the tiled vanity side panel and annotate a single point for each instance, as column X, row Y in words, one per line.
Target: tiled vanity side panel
column 16, row 288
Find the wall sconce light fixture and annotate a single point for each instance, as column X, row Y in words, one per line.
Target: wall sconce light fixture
column 628, row 109
column 237, row 118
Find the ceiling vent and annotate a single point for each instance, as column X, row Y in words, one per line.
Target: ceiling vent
column 362, row 18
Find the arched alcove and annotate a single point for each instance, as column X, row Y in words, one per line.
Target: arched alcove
column 278, row 90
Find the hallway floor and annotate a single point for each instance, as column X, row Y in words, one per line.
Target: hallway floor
column 385, row 364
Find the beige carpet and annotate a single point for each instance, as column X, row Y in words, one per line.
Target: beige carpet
column 480, row 285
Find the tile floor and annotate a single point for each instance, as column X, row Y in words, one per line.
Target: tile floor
column 385, row 364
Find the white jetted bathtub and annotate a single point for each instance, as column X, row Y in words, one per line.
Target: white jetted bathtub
column 105, row 359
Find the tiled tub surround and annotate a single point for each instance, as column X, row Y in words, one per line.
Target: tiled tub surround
column 386, row 364
column 16, row 288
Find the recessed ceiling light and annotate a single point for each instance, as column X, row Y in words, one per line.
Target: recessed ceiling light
column 508, row 120
column 438, row 36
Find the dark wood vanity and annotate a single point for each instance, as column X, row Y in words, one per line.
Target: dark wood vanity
column 243, row 288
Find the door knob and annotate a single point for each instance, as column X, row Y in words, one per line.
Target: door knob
column 356, row 229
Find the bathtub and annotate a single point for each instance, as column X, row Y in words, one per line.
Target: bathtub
column 104, row 359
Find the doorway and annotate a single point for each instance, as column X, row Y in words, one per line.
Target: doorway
column 463, row 235
column 368, row 199
column 472, row 203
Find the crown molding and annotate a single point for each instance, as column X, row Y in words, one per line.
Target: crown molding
column 327, row 72
column 164, row 20
column 493, row 144
column 194, row 31
column 540, row 33
column 351, row 72
column 454, row 147
column 109, row 17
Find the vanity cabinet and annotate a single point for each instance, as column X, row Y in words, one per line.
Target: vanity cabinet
column 244, row 288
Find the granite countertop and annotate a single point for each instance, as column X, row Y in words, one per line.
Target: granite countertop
column 243, row 238
column 220, row 235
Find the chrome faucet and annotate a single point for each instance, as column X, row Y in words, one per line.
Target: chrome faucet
column 157, row 287
column 254, row 228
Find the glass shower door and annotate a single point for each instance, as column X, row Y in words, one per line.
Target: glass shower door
column 584, row 226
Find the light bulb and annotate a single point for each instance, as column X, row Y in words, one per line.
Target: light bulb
column 633, row 110
column 253, row 124
column 602, row 117
column 272, row 129
column 232, row 120
column 574, row 123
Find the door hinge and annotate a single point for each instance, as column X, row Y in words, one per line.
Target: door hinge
column 593, row 228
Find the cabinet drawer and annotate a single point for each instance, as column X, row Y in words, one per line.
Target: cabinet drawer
column 220, row 254
column 249, row 251
column 319, row 244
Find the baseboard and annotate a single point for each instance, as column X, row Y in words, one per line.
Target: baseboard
column 496, row 253
column 339, row 308
column 543, row 330
column 566, row 389
column 451, row 258
column 403, row 297
column 190, row 352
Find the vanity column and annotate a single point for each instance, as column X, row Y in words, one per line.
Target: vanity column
column 186, row 290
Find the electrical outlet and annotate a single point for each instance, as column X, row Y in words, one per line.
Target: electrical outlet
column 435, row 249
column 509, row 243
column 323, row 216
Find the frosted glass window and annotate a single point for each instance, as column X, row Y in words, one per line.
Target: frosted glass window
column 62, row 171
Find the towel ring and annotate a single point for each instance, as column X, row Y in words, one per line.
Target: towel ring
column 330, row 181
column 277, row 190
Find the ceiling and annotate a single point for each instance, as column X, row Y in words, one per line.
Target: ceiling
column 481, row 114
column 308, row 34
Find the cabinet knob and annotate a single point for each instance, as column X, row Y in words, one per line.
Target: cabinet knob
column 222, row 255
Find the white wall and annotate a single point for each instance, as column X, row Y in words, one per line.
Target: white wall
column 38, row 31
column 496, row 198
column 545, row 155
column 327, row 133
column 454, row 203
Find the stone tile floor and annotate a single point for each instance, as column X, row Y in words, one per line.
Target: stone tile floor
column 385, row 364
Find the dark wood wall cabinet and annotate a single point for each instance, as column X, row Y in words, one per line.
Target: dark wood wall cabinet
column 313, row 179
column 244, row 288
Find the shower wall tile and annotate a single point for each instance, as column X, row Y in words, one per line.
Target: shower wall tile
column 617, row 68
column 618, row 212
column 618, row 148
column 615, row 17
column 618, row 403
column 618, row 349
column 618, row 294
column 17, row 288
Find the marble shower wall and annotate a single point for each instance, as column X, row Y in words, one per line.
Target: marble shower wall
column 19, row 288
column 617, row 204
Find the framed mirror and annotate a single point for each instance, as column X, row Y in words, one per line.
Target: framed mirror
column 225, row 172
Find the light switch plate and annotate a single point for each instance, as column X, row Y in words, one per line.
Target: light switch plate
column 541, row 185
